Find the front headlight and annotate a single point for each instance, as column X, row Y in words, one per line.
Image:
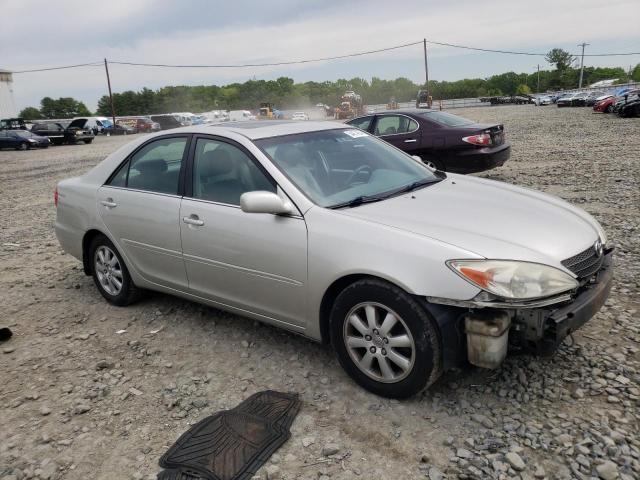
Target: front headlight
column 31, row 140
column 514, row 280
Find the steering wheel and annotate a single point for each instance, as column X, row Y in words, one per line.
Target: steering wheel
column 358, row 171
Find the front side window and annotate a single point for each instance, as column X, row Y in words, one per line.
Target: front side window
column 395, row 124
column 332, row 167
column 222, row 173
column 363, row 123
column 154, row 168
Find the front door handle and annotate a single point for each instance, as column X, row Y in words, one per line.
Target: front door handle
column 109, row 203
column 411, row 140
column 193, row 220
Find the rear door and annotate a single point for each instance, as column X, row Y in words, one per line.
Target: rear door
column 251, row 261
column 140, row 206
column 400, row 131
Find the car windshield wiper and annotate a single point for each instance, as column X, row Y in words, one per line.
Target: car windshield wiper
column 418, row 184
column 359, row 201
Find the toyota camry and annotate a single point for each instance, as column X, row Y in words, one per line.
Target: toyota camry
column 331, row 233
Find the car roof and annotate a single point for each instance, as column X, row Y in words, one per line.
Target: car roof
column 256, row 129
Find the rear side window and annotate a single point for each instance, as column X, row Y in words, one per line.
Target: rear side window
column 395, row 124
column 154, row 168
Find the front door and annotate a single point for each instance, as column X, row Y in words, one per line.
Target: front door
column 140, row 206
column 399, row 130
column 254, row 262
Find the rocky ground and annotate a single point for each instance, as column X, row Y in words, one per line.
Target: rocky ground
column 89, row 390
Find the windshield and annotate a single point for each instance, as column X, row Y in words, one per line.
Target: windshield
column 332, row 167
column 444, row 118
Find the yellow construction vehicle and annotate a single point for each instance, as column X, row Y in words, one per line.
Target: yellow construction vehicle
column 266, row 110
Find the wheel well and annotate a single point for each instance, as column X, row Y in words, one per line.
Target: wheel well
column 86, row 243
column 330, row 296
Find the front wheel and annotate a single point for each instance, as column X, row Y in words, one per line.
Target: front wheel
column 431, row 162
column 384, row 339
column 87, row 142
column 110, row 274
column 23, row 146
column 609, row 109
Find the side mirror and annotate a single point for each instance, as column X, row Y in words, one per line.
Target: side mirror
column 264, row 202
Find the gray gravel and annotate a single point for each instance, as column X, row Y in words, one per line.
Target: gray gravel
column 81, row 400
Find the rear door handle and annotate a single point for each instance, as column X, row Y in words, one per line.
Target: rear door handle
column 109, row 203
column 193, row 220
column 411, row 140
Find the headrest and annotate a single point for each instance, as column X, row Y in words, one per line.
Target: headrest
column 215, row 162
column 156, row 165
column 289, row 154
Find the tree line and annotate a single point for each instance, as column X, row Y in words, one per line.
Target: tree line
column 284, row 93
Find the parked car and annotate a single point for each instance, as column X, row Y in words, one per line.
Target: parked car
column 441, row 140
column 166, row 121
column 331, row 233
column 626, row 97
column 299, row 116
column 575, row 99
column 22, row 140
column 59, row 133
column 119, row 129
column 605, row 104
column 543, row 100
column 13, row 124
column 630, row 109
column 592, row 98
column 140, row 124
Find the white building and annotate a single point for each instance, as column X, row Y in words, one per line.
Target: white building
column 7, row 103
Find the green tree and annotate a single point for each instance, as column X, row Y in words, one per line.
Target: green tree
column 64, row 107
column 30, row 113
column 523, row 90
column 560, row 58
column 635, row 73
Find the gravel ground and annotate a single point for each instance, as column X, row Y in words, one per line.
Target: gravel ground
column 94, row 391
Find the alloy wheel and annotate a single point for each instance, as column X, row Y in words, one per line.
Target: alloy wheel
column 108, row 270
column 379, row 342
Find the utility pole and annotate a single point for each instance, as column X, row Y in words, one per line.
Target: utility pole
column 538, row 88
column 426, row 66
column 113, row 110
column 581, row 63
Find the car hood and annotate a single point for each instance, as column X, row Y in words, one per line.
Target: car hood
column 491, row 219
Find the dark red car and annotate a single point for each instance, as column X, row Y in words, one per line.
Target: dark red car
column 605, row 105
column 442, row 140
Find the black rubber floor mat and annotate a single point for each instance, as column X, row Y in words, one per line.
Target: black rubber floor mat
column 233, row 444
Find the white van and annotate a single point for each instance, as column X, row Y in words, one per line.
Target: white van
column 240, row 115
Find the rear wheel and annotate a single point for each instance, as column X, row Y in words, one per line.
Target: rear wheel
column 609, row 109
column 384, row 339
column 110, row 274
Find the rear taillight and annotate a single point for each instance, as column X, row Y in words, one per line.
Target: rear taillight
column 483, row 139
column 55, row 197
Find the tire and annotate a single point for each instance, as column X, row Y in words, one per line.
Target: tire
column 102, row 252
column 22, row 147
column 87, row 142
column 431, row 161
column 418, row 344
column 609, row 109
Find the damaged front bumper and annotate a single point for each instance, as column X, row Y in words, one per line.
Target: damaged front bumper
column 483, row 328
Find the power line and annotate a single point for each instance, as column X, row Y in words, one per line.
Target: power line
column 94, row 64
column 465, row 47
column 311, row 60
column 272, row 64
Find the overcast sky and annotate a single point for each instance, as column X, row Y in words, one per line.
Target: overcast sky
column 41, row 34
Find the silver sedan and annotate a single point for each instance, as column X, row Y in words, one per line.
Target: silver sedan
column 334, row 234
